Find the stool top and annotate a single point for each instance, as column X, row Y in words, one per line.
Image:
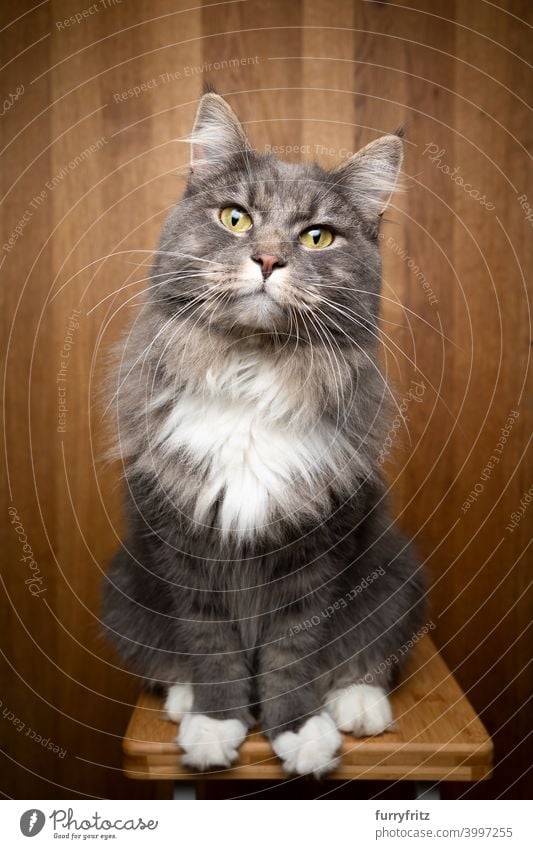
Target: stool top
column 437, row 736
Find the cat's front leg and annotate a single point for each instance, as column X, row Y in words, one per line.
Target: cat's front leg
column 215, row 707
column 303, row 734
column 178, row 701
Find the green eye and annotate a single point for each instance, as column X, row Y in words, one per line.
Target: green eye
column 236, row 219
column 316, row 237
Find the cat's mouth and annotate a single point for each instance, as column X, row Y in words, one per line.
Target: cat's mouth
column 261, row 299
column 258, row 293
column 252, row 284
column 254, row 291
column 257, row 308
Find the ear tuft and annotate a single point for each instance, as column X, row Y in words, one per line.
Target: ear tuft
column 217, row 133
column 208, row 88
column 371, row 175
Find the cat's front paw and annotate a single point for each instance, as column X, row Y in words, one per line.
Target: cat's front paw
column 208, row 742
column 179, row 701
column 311, row 749
column 360, row 709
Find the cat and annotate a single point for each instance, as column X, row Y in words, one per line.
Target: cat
column 261, row 578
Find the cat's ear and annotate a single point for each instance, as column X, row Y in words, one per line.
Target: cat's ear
column 217, row 133
column 371, row 175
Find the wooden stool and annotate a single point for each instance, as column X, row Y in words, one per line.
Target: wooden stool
column 437, row 737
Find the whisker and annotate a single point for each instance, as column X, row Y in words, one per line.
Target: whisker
column 372, row 363
column 396, row 303
column 338, row 385
column 356, row 320
column 411, row 362
column 143, row 353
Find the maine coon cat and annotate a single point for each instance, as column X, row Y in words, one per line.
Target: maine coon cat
column 261, row 578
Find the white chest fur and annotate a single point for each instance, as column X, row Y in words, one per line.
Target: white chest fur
column 251, row 446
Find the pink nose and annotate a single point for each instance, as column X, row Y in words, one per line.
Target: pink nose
column 268, row 263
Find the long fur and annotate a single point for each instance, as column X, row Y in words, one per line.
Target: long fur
column 250, row 416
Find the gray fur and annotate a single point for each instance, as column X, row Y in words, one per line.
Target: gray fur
column 256, row 622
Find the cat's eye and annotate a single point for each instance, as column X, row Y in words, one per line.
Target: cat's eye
column 316, row 237
column 236, row 219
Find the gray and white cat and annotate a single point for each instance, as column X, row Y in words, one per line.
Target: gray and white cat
column 261, row 577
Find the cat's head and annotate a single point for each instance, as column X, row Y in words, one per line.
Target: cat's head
column 261, row 246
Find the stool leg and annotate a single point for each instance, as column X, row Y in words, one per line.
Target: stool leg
column 428, row 790
column 185, row 790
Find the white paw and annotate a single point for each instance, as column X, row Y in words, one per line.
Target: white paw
column 209, row 742
column 311, row 749
column 360, row 709
column 179, row 701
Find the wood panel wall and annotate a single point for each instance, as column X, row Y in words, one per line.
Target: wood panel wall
column 89, row 172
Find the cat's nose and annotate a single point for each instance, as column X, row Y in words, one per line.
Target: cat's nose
column 268, row 263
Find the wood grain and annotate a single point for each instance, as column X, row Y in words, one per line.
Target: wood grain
column 437, row 736
column 324, row 78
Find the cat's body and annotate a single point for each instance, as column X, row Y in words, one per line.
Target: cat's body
column 250, row 412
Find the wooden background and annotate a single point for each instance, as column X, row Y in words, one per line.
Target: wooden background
column 88, row 174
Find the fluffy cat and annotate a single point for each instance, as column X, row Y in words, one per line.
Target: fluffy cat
column 261, row 577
